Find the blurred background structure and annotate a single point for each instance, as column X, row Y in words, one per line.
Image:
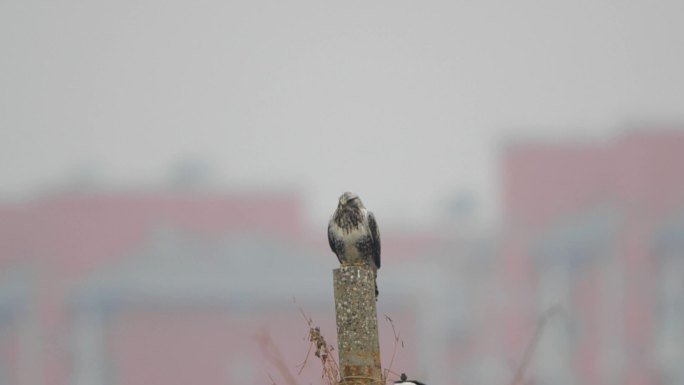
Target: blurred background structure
column 176, row 286
column 167, row 171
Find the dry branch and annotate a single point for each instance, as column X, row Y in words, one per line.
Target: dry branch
column 532, row 345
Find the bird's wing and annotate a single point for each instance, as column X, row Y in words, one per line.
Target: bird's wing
column 375, row 234
column 331, row 241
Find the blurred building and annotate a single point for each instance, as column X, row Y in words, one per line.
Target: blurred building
column 181, row 286
column 92, row 284
column 176, row 287
column 596, row 228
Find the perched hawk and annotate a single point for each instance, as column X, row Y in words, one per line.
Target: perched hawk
column 353, row 234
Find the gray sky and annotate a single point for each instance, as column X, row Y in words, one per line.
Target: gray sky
column 404, row 102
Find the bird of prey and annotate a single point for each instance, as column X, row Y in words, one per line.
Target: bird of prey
column 353, row 234
column 404, row 381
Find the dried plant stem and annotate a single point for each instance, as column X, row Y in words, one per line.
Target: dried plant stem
column 397, row 340
column 275, row 357
column 532, row 345
column 331, row 369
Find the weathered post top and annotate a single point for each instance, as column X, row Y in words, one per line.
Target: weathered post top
column 357, row 325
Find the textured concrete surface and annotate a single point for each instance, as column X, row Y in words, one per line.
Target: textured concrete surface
column 357, row 325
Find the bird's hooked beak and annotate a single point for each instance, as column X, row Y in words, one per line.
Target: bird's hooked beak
column 346, row 198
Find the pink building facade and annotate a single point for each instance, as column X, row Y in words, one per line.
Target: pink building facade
column 597, row 229
column 177, row 287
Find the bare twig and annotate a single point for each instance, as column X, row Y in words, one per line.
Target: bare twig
column 274, row 356
column 306, row 359
column 331, row 370
column 532, row 345
column 397, row 340
column 309, row 322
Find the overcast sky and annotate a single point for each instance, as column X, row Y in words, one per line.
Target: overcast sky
column 404, row 102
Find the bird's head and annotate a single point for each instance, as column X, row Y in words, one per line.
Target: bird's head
column 350, row 199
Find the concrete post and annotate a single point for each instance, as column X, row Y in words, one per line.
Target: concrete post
column 357, row 326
